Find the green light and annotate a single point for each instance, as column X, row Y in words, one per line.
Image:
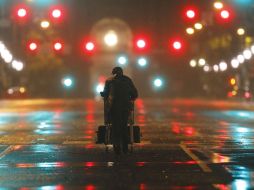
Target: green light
column 67, row 82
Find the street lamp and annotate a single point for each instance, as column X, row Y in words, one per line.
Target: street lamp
column 111, row 39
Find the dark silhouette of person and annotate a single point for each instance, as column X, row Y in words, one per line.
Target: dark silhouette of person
column 120, row 93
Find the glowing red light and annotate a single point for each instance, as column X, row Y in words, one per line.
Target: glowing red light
column 225, row 14
column 22, row 12
column 58, row 46
column 33, row 46
column 190, row 14
column 56, row 13
column 141, row 43
column 89, row 46
column 247, row 95
column 177, row 45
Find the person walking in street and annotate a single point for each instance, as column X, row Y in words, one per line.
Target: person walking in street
column 119, row 92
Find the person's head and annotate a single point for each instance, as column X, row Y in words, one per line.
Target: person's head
column 118, row 71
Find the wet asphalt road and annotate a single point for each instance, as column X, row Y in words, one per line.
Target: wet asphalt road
column 186, row 144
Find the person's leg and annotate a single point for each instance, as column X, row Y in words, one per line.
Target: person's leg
column 125, row 131
column 116, row 132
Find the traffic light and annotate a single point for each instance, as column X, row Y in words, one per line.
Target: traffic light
column 58, row 46
column 32, row 46
column 141, row 44
column 225, row 15
column 89, row 47
column 68, row 82
column 57, row 13
column 191, row 13
column 21, row 13
column 232, row 81
column 177, row 46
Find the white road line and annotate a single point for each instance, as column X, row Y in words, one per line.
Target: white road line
column 201, row 163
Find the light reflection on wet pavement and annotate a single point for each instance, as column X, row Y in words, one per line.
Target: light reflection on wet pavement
column 186, row 144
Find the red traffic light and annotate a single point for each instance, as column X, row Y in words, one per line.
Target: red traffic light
column 56, row 13
column 176, row 45
column 141, row 44
column 32, row 46
column 190, row 13
column 22, row 12
column 225, row 15
column 88, row 47
column 58, row 46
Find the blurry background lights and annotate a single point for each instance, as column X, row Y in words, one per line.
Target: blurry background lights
column 89, row 46
column 198, row 26
column 58, row 46
column 235, row 63
column 223, row 66
column 22, row 12
column 17, row 65
column 218, row 5
column 45, row 24
column 225, row 14
column 141, row 43
column 122, row 60
column 177, row 45
column 111, row 39
column 190, row 13
column 216, row 68
column 157, row 83
column 252, row 49
column 240, row 58
column 240, row 31
column 201, row 62
column 190, row 31
column 142, row 62
column 247, row 54
column 99, row 88
column 193, row 63
column 206, row 68
column 32, row 46
column 67, row 82
column 56, row 13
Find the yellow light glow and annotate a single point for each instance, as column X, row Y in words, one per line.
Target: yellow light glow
column 111, row 39
column 198, row 26
column 22, row 90
column 240, row 31
column 218, row 5
column 45, row 24
column 190, row 31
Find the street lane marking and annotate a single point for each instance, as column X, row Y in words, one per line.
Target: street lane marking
column 8, row 150
column 201, row 163
column 77, row 142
